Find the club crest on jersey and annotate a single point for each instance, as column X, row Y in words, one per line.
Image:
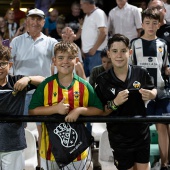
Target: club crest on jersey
column 67, row 134
column 136, row 85
column 55, row 94
column 76, row 95
column 150, row 59
column 160, row 49
column 112, row 90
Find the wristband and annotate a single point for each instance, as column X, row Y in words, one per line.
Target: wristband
column 29, row 82
column 111, row 105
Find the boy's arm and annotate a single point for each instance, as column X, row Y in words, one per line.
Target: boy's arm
column 84, row 111
column 24, row 81
column 148, row 94
column 60, row 108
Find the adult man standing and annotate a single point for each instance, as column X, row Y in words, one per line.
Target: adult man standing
column 93, row 35
column 163, row 129
column 125, row 19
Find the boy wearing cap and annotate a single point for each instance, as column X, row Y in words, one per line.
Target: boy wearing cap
column 12, row 94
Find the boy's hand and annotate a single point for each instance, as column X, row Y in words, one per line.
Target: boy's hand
column 121, row 97
column 21, row 83
column 147, row 94
column 62, row 108
column 73, row 115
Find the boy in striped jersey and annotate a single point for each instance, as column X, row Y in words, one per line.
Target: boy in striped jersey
column 13, row 90
column 67, row 94
column 151, row 52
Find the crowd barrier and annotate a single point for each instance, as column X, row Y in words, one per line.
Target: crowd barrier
column 104, row 119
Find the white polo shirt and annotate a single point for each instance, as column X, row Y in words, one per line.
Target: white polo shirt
column 32, row 57
column 125, row 21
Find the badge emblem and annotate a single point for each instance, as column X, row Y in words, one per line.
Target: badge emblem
column 67, row 134
column 136, row 85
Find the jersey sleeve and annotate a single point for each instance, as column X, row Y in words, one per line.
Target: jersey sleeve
column 94, row 101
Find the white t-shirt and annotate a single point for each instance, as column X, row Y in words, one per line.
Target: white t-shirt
column 90, row 30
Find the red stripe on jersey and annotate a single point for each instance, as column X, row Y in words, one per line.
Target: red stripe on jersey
column 50, row 92
column 81, row 90
column 60, row 94
column 48, row 156
column 71, row 98
column 79, row 158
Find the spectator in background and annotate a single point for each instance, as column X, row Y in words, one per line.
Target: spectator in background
column 143, row 5
column 167, row 7
column 106, row 64
column 125, row 19
column 57, row 33
column 74, row 20
column 19, row 15
column 51, row 22
column 44, row 5
column 93, row 35
column 3, row 28
column 11, row 24
column 22, row 29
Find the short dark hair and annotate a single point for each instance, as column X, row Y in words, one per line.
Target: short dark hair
column 151, row 14
column 103, row 53
column 118, row 38
column 5, row 53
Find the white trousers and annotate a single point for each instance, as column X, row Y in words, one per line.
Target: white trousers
column 52, row 165
column 12, row 160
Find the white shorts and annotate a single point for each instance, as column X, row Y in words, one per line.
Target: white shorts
column 52, row 165
column 12, row 160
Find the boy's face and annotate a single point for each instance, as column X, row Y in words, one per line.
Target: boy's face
column 64, row 63
column 150, row 26
column 4, row 69
column 106, row 63
column 119, row 54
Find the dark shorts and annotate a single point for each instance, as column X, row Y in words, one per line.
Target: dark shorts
column 160, row 107
column 126, row 159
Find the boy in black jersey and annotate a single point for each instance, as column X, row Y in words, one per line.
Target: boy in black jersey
column 12, row 96
column 152, row 52
column 124, row 89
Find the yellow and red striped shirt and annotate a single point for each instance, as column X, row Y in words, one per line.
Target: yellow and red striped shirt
column 79, row 94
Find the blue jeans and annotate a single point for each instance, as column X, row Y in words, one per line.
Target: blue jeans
column 91, row 61
column 159, row 107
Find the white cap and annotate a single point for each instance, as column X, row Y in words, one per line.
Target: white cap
column 36, row 12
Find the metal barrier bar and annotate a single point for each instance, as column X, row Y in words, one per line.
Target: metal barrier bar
column 60, row 118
